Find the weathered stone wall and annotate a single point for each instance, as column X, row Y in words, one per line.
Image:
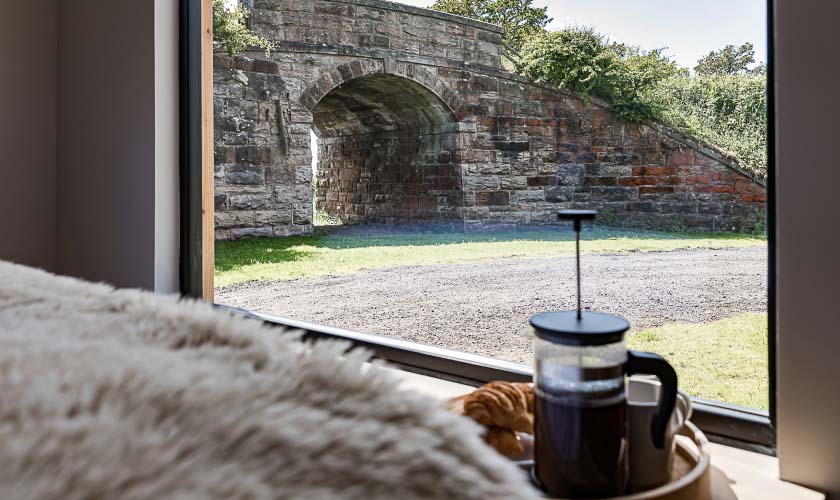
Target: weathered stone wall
column 417, row 120
column 555, row 151
column 401, row 178
column 263, row 170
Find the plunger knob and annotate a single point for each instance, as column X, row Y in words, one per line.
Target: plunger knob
column 577, row 216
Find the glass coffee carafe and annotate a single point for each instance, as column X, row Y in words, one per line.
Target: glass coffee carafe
column 580, row 427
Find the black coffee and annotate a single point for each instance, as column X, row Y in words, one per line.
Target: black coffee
column 581, row 444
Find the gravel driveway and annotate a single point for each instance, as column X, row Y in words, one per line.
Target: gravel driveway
column 483, row 308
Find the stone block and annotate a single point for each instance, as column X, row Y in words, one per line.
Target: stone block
column 527, row 196
column 480, row 183
column 251, row 232
column 226, row 220
column 253, row 154
column 560, row 194
column 641, row 206
column 487, row 36
column 513, row 182
column 492, row 198
column 542, row 180
column 610, row 193
column 710, row 208
column 303, row 174
column 220, row 201
column 250, row 201
column 272, row 217
column 245, row 174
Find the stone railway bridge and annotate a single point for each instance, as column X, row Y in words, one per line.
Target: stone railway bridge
column 417, row 120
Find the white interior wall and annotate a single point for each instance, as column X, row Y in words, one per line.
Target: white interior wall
column 167, row 210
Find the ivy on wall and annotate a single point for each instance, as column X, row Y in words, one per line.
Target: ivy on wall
column 230, row 29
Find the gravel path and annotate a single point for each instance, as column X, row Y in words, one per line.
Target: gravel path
column 483, row 308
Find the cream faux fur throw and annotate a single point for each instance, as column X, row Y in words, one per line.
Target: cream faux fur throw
column 123, row 394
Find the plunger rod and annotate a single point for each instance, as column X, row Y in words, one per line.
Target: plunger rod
column 577, row 216
column 577, row 265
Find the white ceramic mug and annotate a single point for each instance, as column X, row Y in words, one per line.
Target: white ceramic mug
column 649, row 466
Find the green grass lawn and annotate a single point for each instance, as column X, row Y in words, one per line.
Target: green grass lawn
column 724, row 360
column 266, row 259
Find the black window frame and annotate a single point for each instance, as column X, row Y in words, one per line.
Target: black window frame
column 721, row 422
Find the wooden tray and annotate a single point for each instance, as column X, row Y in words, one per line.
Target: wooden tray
column 692, row 471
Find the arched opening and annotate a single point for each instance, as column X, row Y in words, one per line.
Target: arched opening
column 385, row 154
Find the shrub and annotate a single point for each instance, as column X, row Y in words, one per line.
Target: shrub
column 722, row 108
column 583, row 60
column 231, row 31
column 726, row 110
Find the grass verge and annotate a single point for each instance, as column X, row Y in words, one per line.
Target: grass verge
column 724, row 360
column 269, row 259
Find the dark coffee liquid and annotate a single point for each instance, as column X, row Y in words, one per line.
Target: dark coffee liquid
column 581, row 444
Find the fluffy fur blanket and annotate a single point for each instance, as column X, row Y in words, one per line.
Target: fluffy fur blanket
column 123, row 394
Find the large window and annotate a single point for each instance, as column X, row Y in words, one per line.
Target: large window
column 397, row 172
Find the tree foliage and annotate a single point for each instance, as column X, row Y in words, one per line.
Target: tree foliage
column 583, row 60
column 519, row 18
column 729, row 111
column 729, row 60
column 231, row 31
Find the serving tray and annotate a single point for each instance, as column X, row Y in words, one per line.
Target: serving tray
column 691, row 474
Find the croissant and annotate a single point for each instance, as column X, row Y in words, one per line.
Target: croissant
column 528, row 389
column 500, row 404
column 504, row 441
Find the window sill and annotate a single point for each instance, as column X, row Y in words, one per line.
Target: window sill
column 736, row 474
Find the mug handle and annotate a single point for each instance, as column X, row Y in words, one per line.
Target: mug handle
column 654, row 364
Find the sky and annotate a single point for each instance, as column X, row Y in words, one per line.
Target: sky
column 688, row 28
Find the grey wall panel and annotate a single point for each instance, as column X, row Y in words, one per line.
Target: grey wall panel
column 808, row 75
column 28, row 111
column 106, row 146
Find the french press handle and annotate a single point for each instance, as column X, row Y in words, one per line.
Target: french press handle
column 648, row 363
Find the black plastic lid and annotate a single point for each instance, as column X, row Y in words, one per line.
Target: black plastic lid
column 576, row 214
column 592, row 329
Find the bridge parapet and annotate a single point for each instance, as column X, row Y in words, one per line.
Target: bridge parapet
column 378, row 28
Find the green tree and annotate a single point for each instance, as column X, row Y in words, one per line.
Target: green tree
column 519, row 18
column 231, row 31
column 574, row 59
column 638, row 75
column 730, row 60
column 583, row 60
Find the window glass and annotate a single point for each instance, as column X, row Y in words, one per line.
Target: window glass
column 415, row 194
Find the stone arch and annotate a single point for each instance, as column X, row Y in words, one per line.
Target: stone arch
column 386, row 146
column 360, row 68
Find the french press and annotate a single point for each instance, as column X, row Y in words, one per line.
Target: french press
column 581, row 360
